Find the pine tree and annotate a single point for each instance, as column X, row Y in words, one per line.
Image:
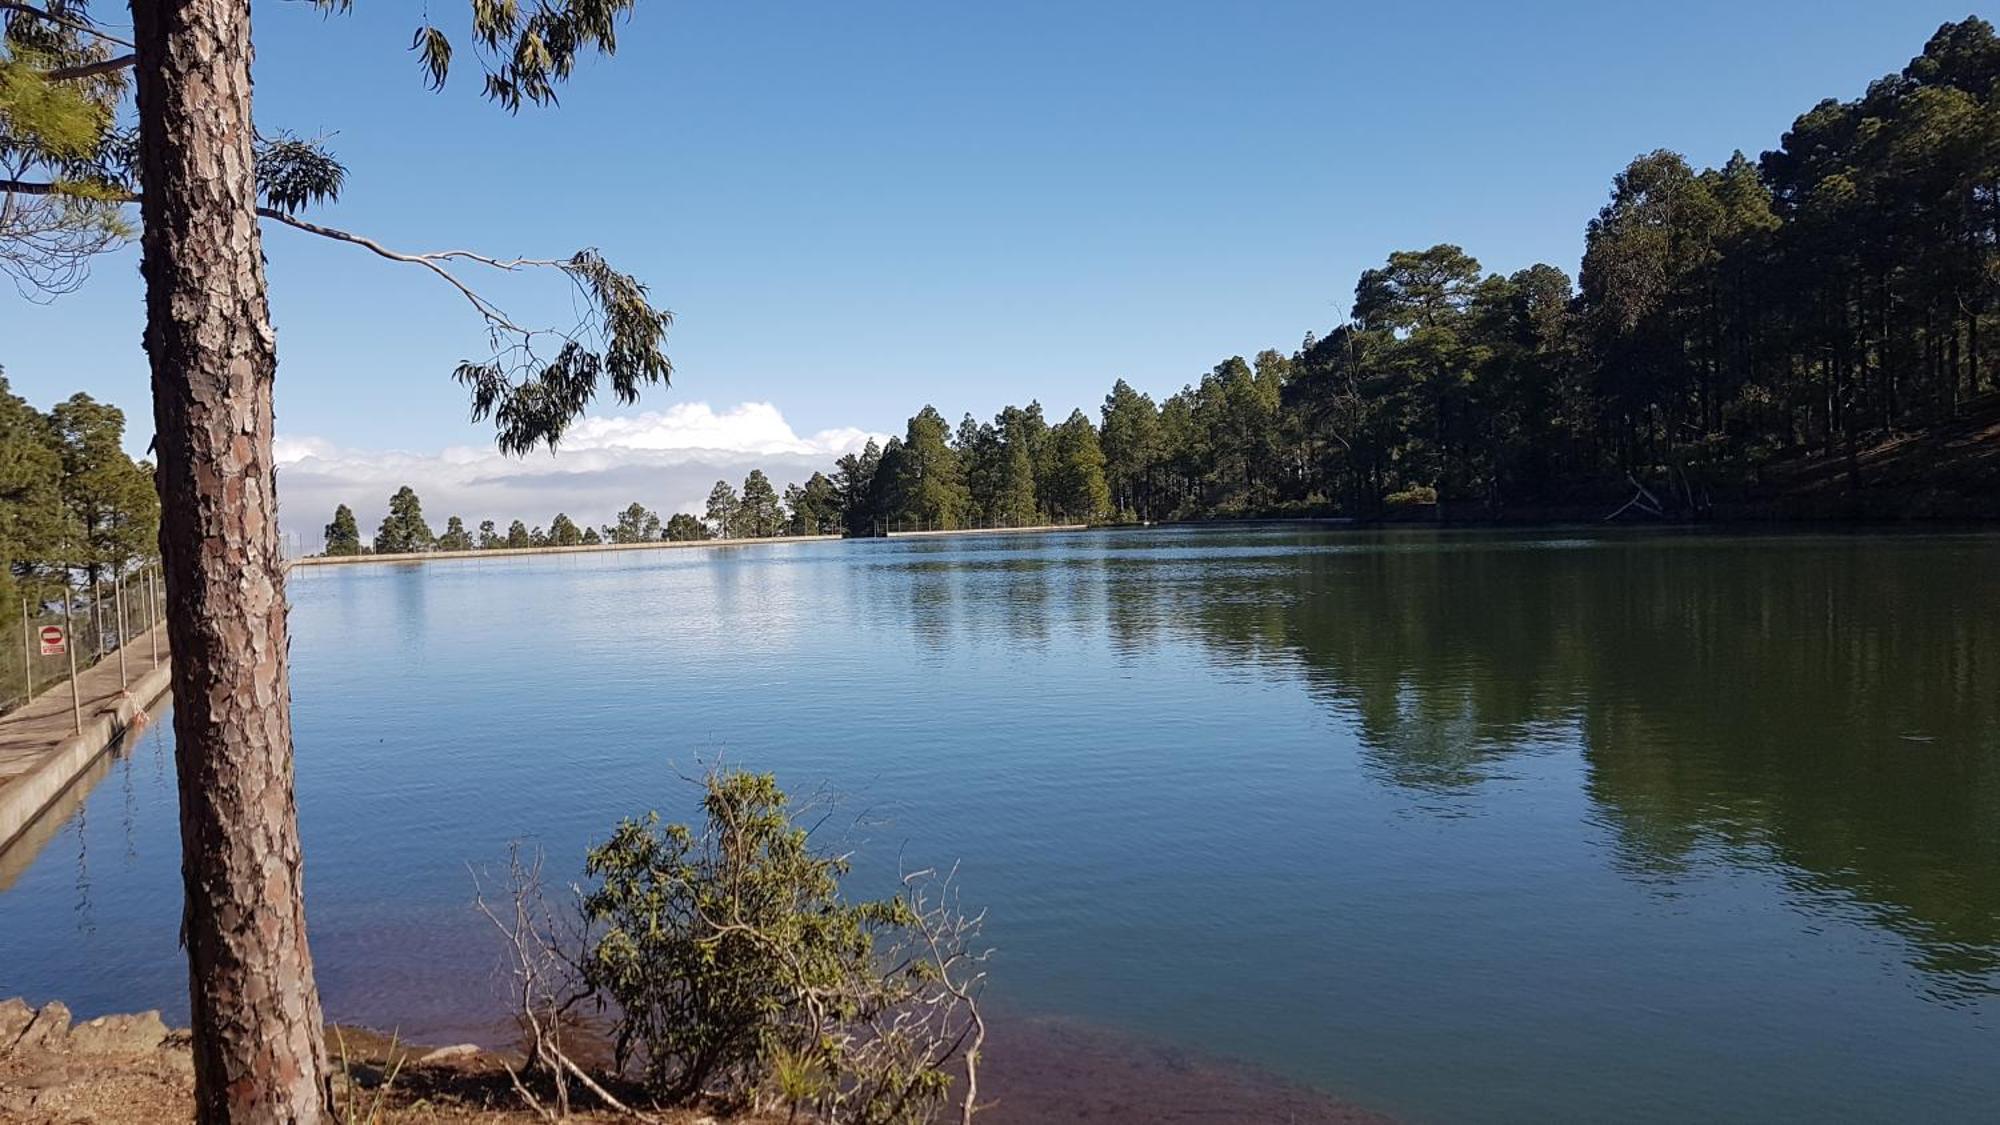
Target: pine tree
column 854, row 488
column 455, row 537
column 636, row 524
column 932, row 484
column 110, row 498
column 33, row 520
column 723, row 509
column 758, row 513
column 1131, row 438
column 403, row 530
column 685, row 528
column 343, row 536
column 1077, row 491
column 814, row 506
column 1014, row 505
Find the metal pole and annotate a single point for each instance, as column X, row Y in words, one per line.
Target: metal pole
column 118, row 601
column 152, row 617
column 28, row 652
column 69, row 646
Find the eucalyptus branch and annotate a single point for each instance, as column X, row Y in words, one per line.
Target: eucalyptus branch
column 491, row 312
column 81, row 26
column 430, row 261
column 89, row 70
column 532, row 398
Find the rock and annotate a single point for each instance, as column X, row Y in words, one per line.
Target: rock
column 449, row 1054
column 174, row 1061
column 47, row 1031
column 15, row 1016
column 51, row 1075
column 118, row 1035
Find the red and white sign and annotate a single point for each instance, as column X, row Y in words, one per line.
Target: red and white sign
column 53, row 641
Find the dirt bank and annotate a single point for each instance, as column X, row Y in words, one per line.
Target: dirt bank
column 134, row 1070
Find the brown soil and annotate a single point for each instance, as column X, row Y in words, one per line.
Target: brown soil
column 131, row 1070
column 1947, row 471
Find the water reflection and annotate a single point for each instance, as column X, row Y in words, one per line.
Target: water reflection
column 1567, row 820
column 1824, row 706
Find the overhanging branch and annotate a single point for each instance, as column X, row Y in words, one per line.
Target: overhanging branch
column 430, row 261
column 88, row 70
column 81, row 26
column 531, row 397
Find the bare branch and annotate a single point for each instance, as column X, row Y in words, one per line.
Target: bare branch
column 532, row 397
column 32, row 187
column 487, row 309
column 89, row 70
column 543, row 972
column 430, row 261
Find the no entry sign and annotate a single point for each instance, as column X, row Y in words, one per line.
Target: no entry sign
column 53, row 641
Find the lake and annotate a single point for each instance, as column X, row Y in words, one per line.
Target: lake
column 1468, row 826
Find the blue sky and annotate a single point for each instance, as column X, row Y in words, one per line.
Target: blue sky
column 857, row 209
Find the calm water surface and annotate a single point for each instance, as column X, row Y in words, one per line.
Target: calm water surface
column 1459, row 826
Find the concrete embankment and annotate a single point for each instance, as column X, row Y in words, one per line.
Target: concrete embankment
column 584, row 549
column 1039, row 529
column 656, row 545
column 42, row 753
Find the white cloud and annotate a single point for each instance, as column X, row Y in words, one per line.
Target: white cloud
column 665, row 459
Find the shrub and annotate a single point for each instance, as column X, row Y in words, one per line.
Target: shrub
column 1411, row 496
column 737, row 970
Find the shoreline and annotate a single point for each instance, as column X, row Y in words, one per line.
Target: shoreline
column 121, row 1069
column 662, row 545
column 1568, row 521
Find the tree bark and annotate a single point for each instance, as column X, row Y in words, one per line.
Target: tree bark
column 259, row 1047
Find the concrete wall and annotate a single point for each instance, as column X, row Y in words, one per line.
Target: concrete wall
column 25, row 797
column 656, row 545
column 510, row 552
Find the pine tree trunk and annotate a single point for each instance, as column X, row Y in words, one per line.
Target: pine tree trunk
column 259, row 1048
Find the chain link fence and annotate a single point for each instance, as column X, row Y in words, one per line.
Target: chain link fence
column 109, row 621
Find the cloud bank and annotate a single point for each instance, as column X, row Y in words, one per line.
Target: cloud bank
column 665, row 459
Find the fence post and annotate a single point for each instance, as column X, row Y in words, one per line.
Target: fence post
column 27, row 652
column 69, row 627
column 152, row 617
column 118, row 604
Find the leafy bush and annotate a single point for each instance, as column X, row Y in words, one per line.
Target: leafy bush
column 738, row 971
column 1411, row 496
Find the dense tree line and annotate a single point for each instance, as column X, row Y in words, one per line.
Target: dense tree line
column 1836, row 292
column 75, row 509
column 405, row 530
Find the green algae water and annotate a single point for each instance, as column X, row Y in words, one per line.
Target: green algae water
column 1457, row 826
